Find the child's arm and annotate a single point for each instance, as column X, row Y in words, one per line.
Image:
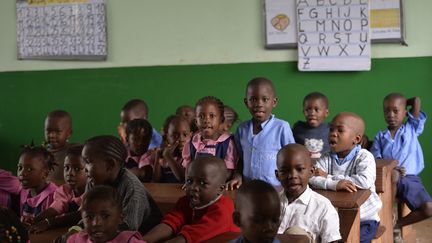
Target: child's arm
column 365, row 174
column 237, row 177
column 160, row 233
column 415, row 104
column 55, row 222
column 322, row 180
column 175, row 166
column 157, row 166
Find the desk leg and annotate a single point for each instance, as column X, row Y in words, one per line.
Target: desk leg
column 408, row 232
column 349, row 224
column 386, row 213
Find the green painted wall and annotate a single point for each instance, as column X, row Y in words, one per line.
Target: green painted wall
column 94, row 96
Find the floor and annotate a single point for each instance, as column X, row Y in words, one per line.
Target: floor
column 424, row 231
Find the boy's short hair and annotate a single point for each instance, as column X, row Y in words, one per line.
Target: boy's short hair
column 179, row 109
column 358, row 123
column 217, row 163
column 172, row 119
column 60, row 114
column 395, row 96
column 316, row 95
column 75, row 150
column 138, row 107
column 261, row 81
column 110, row 147
column 253, row 187
column 137, row 124
column 102, row 192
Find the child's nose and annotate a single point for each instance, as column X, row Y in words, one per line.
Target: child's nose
column 96, row 221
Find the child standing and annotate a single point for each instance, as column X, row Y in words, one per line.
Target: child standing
column 102, row 215
column 204, row 212
column 259, row 139
column 209, row 140
column 313, row 133
column 347, row 167
column 302, row 207
column 257, row 212
column 399, row 141
column 168, row 168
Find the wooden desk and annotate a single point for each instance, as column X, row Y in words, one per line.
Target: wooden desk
column 282, row 238
column 48, row 236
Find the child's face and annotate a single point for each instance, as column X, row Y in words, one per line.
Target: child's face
column 342, row 136
column 188, row 113
column 260, row 101
column 32, row 171
column 178, row 132
column 208, row 119
column 57, row 131
column 97, row 169
column 101, row 220
column 315, row 111
column 138, row 142
column 394, row 112
column 74, row 173
column 202, row 184
column 260, row 221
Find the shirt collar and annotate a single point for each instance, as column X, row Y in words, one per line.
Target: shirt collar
column 304, row 198
column 264, row 123
column 347, row 158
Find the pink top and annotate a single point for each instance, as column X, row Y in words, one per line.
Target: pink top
column 200, row 143
column 148, row 158
column 9, row 184
column 64, row 197
column 32, row 206
column 122, row 237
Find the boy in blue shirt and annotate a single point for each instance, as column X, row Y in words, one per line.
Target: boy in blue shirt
column 399, row 141
column 259, row 139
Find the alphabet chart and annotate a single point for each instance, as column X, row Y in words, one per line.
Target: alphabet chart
column 61, row 29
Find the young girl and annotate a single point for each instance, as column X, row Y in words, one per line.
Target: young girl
column 102, row 215
column 168, row 169
column 34, row 166
column 67, row 198
column 210, row 140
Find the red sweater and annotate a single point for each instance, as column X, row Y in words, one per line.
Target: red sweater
column 204, row 223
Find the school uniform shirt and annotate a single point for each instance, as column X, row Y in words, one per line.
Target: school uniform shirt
column 315, row 139
column 148, row 158
column 156, row 140
column 9, row 184
column 166, row 174
column 30, row 207
column 259, row 151
column 208, row 146
column 358, row 167
column 405, row 146
column 313, row 213
column 122, row 237
column 65, row 200
column 197, row 225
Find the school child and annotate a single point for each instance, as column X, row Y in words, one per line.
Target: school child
column 102, row 215
column 9, row 185
column 136, row 109
column 188, row 112
column 204, row 212
column 34, row 166
column 231, row 117
column 209, row 140
column 257, row 212
column 313, row 133
column 399, row 141
column 168, row 168
column 67, row 198
column 105, row 158
column 301, row 207
column 58, row 129
column 11, row 229
column 259, row 139
column 347, row 167
column 140, row 159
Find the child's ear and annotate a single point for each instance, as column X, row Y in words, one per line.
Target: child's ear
column 236, row 218
column 275, row 101
column 245, row 102
column 326, row 112
column 358, row 138
column 222, row 188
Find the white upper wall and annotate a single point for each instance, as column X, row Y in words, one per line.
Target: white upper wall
column 164, row 32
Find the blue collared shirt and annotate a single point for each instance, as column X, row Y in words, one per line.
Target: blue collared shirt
column 259, row 151
column 347, row 158
column 156, row 140
column 405, row 146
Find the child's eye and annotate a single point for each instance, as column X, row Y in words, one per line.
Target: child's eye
column 105, row 216
column 188, row 181
column 77, row 169
column 266, row 99
column 202, row 183
column 20, row 167
column 29, row 170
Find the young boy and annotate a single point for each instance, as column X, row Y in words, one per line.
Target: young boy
column 259, row 139
column 399, row 141
column 136, row 109
column 347, row 167
column 204, row 212
column 58, row 129
column 302, row 207
column 257, row 212
column 313, row 133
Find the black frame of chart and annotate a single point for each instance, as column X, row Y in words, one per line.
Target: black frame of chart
column 61, row 29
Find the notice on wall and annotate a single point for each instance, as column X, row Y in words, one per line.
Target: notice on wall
column 61, row 29
column 280, row 23
column 386, row 21
column 333, row 35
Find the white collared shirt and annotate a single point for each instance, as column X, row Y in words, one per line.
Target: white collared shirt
column 311, row 212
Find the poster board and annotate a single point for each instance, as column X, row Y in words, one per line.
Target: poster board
column 387, row 24
column 61, row 29
column 280, row 23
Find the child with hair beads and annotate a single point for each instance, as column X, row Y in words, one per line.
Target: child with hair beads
column 188, row 112
column 259, row 139
column 209, row 140
column 67, row 198
column 102, row 214
column 11, row 229
column 204, row 212
column 231, row 117
column 9, row 185
column 347, row 167
column 400, row 141
column 313, row 133
column 140, row 160
column 58, row 129
column 303, row 210
column 257, row 212
column 168, row 168
column 34, row 166
column 136, row 109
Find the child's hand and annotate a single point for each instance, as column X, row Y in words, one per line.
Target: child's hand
column 401, row 169
column 234, row 183
column 39, row 227
column 169, row 149
column 346, row 185
column 319, row 172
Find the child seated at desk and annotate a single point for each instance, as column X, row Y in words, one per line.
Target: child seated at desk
column 301, row 208
column 257, row 212
column 399, row 141
column 347, row 167
column 204, row 212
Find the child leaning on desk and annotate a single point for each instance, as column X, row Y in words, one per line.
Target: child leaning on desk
column 347, row 167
